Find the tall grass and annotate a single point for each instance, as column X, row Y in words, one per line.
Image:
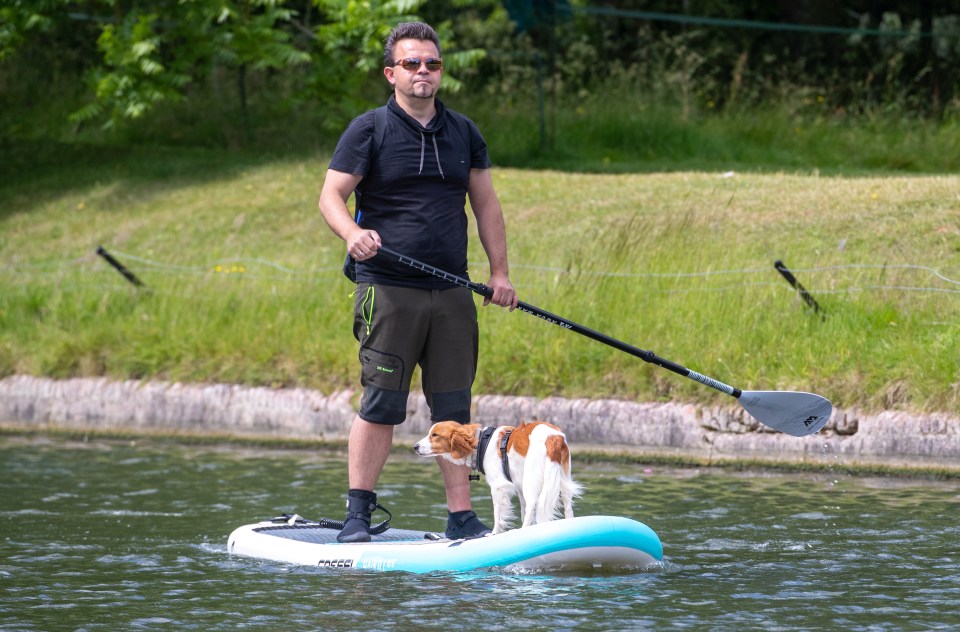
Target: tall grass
column 625, row 130
column 244, row 280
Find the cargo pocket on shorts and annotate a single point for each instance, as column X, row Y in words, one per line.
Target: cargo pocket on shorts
column 382, row 370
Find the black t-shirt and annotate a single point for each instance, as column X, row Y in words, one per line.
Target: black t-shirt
column 414, row 189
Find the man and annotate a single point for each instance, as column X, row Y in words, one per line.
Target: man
column 412, row 166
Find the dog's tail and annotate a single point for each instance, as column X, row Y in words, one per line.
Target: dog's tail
column 558, row 483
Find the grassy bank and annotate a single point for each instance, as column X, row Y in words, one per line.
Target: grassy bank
column 244, row 280
column 627, row 133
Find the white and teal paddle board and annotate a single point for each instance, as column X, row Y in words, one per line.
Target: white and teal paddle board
column 582, row 543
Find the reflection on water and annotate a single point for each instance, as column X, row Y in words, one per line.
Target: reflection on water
column 108, row 536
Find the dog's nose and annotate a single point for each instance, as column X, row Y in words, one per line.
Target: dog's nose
column 416, row 447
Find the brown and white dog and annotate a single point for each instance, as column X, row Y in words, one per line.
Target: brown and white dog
column 531, row 461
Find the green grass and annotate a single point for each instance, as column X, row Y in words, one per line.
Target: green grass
column 245, row 285
column 616, row 135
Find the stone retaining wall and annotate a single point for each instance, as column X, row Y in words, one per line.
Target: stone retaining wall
column 705, row 433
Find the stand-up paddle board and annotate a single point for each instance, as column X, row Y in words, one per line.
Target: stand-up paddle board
column 582, row 543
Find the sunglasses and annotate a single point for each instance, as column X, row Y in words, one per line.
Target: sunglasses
column 412, row 64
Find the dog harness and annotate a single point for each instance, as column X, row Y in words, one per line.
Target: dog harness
column 484, row 441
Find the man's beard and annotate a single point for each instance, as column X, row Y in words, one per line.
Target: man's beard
column 422, row 90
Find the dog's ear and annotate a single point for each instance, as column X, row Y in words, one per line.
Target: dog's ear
column 462, row 442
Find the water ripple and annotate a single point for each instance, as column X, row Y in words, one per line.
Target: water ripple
column 138, row 541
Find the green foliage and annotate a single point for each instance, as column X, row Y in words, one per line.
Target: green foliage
column 150, row 57
column 136, row 78
column 350, row 54
column 22, row 19
column 250, row 33
column 285, row 55
column 235, row 72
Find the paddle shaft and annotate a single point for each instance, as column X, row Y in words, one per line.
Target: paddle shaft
column 643, row 354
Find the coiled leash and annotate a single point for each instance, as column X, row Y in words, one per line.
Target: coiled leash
column 296, row 521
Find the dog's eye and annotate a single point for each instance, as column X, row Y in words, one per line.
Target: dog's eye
column 434, row 434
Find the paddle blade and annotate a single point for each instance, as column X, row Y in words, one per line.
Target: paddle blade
column 794, row 413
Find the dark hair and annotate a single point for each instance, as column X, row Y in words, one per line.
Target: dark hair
column 408, row 30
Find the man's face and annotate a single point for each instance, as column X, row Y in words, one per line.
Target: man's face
column 421, row 83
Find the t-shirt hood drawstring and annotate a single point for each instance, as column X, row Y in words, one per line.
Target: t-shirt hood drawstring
column 435, row 126
column 436, row 153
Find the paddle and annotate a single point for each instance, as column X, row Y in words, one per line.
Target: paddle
column 791, row 412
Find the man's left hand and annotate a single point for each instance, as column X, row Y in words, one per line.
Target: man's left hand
column 503, row 293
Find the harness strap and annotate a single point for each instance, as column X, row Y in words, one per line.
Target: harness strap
column 503, row 453
column 485, row 435
column 482, row 443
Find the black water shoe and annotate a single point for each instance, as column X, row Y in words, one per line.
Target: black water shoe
column 356, row 528
column 465, row 524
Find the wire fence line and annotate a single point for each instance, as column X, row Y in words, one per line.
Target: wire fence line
column 254, row 267
column 741, row 271
column 703, row 20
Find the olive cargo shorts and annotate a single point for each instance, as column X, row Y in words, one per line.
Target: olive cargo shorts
column 399, row 328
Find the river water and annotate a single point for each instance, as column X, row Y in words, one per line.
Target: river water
column 128, row 536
